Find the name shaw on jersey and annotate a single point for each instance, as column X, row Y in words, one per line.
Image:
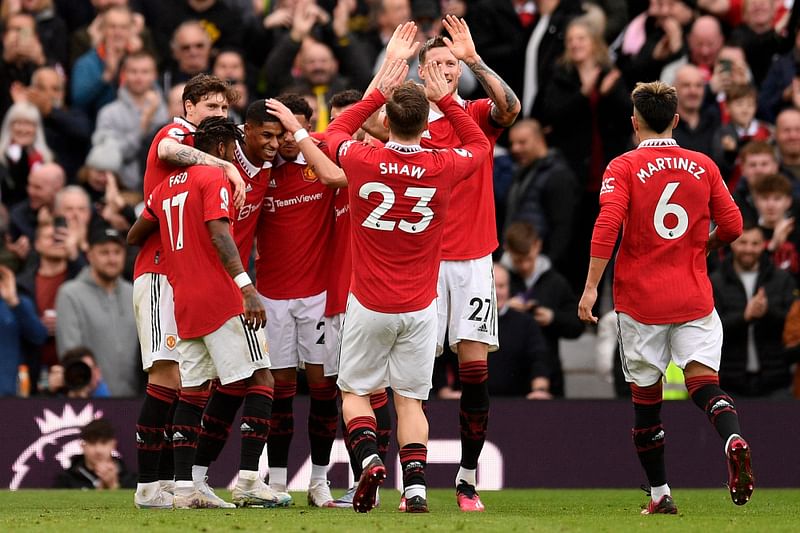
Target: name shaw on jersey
column 670, row 163
column 401, row 170
column 271, row 204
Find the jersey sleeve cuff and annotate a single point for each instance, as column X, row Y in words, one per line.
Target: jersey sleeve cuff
column 602, row 251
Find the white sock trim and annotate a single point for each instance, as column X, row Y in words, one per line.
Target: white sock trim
column 656, row 493
column 319, row 472
column 415, row 490
column 199, row 473
column 470, row 476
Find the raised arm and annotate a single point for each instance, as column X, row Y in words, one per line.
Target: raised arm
column 181, row 155
column 506, row 104
column 327, row 171
column 221, row 238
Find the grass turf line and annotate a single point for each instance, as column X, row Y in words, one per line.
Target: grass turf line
column 512, row 510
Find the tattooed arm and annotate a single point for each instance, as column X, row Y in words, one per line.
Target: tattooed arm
column 219, row 231
column 181, row 155
column 506, row 104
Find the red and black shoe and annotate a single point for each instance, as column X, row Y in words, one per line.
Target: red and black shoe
column 416, row 504
column 740, row 473
column 372, row 477
column 663, row 506
column 467, row 498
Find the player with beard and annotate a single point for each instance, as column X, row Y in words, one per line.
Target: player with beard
column 204, row 96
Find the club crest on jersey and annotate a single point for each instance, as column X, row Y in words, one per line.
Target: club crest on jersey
column 170, row 341
column 608, row 185
column 426, row 134
column 308, row 175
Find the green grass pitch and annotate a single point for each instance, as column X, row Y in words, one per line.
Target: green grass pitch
column 707, row 511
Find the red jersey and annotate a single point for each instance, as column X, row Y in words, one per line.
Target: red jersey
column 399, row 195
column 471, row 229
column 205, row 295
column 295, row 226
column 151, row 257
column 340, row 261
column 664, row 196
column 256, row 180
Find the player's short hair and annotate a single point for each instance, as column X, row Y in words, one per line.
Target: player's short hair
column 656, row 103
column 435, row 42
column 203, row 85
column 757, row 147
column 257, row 113
column 739, row 91
column 215, row 130
column 296, row 104
column 99, row 430
column 346, row 98
column 771, row 184
column 520, row 237
column 407, row 110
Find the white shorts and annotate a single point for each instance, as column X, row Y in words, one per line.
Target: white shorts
column 296, row 331
column 380, row 350
column 467, row 303
column 646, row 349
column 232, row 352
column 154, row 310
column 333, row 338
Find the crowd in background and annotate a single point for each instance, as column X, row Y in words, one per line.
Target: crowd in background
column 85, row 84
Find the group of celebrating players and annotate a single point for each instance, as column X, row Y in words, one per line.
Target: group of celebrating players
column 352, row 230
column 373, row 245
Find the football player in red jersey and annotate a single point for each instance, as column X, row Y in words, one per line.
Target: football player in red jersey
column 665, row 197
column 467, row 305
column 204, row 96
column 219, row 314
column 399, row 195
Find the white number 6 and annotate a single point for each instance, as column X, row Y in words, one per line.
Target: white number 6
column 665, row 208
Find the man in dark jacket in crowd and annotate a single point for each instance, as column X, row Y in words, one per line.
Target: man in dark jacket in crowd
column 752, row 298
column 98, row 467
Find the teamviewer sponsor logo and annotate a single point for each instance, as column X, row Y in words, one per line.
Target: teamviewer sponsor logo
column 269, row 204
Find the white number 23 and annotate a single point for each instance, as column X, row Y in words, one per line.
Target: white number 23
column 374, row 220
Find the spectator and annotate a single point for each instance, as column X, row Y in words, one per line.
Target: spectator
column 704, row 43
column 191, row 54
column 545, row 46
column 543, row 191
column 90, row 32
column 587, row 107
column 730, row 69
column 52, row 30
column 18, row 324
column 138, row 109
column 752, row 298
column 222, row 24
column 696, row 127
column 781, row 86
column 22, row 54
column 94, row 311
column 742, row 128
column 319, row 59
column 22, row 145
column 95, row 74
column 49, row 268
column 67, row 131
column 650, row 41
column 99, row 466
column 787, row 139
column 757, row 159
column 229, row 65
column 44, row 182
column 758, row 38
column 777, row 213
column 520, row 366
column 538, row 289
column 73, row 204
column 78, row 376
column 99, row 179
column 389, row 14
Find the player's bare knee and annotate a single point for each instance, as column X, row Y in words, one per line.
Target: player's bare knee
column 472, row 351
column 285, row 375
column 165, row 374
column 261, row 378
column 694, row 369
column 315, row 373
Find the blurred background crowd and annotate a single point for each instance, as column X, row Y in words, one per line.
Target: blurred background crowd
column 85, row 84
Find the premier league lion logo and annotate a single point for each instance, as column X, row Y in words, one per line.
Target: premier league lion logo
column 58, row 442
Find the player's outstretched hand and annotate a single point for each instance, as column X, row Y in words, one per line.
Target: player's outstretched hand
column 395, row 74
column 237, row 183
column 403, row 44
column 254, row 313
column 588, row 299
column 436, row 86
column 284, row 114
column 460, row 42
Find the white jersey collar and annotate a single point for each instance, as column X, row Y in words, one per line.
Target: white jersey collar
column 249, row 168
column 435, row 114
column 403, row 148
column 185, row 123
column 657, row 143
